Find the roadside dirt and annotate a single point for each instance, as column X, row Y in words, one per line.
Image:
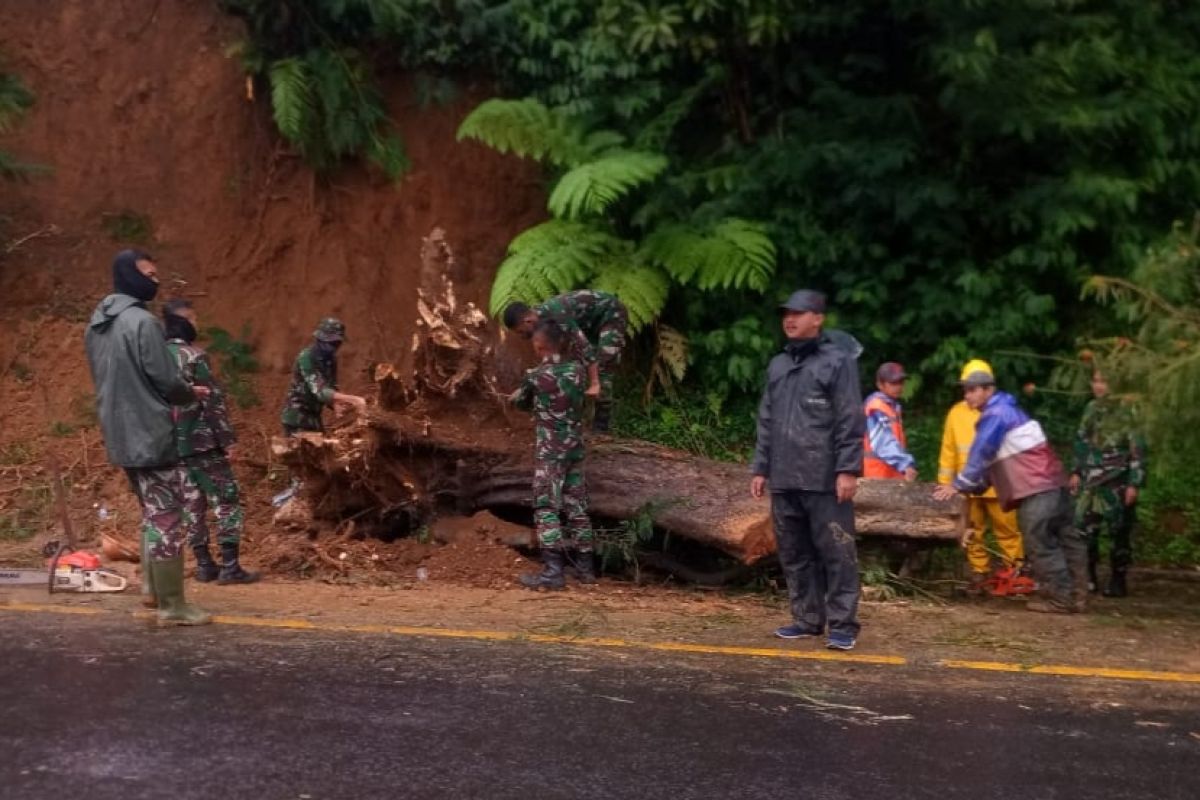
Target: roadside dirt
column 1157, row 629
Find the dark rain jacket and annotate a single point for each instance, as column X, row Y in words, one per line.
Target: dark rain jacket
column 810, row 421
column 137, row 381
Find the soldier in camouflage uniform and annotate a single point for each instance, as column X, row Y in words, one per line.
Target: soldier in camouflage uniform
column 314, row 381
column 205, row 440
column 595, row 323
column 553, row 391
column 137, row 382
column 1110, row 470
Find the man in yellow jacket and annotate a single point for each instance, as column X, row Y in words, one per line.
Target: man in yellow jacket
column 957, row 437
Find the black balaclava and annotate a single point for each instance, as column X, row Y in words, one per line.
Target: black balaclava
column 128, row 279
column 179, row 328
column 326, row 355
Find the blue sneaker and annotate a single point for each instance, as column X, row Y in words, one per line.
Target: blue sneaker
column 840, row 641
column 796, row 631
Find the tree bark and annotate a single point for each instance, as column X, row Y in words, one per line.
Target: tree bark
column 702, row 500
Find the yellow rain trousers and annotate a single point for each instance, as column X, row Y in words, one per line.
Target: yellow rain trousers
column 957, row 436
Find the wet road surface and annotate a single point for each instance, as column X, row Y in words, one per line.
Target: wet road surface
column 109, row 707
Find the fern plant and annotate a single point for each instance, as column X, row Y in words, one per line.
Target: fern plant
column 327, row 105
column 595, row 172
column 15, row 100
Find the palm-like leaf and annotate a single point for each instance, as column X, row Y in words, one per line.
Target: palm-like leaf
column 590, row 189
column 643, row 289
column 526, row 128
column 292, row 98
column 733, row 253
column 548, row 259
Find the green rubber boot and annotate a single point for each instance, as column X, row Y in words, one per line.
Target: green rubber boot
column 167, row 577
column 148, row 598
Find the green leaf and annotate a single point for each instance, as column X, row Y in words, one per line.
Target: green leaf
column 734, row 253
column 549, row 259
column 292, row 98
column 591, row 188
column 642, row 288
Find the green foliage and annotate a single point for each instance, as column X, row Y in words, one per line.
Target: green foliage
column 618, row 547
column 62, row 429
column 237, row 363
column 326, row 103
column 590, row 189
column 581, row 246
column 1158, row 365
column 127, row 226
column 15, row 100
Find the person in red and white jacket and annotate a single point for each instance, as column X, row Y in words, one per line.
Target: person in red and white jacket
column 1011, row 452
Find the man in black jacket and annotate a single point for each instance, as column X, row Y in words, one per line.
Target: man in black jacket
column 809, row 457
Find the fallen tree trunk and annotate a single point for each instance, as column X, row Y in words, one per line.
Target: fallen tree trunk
column 400, row 461
column 436, row 443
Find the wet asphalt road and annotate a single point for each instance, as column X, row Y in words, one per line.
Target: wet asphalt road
column 107, row 707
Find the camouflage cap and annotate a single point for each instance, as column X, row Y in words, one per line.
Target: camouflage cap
column 330, row 329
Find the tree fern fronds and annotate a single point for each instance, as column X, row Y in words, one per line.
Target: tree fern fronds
column 642, row 288
column 15, row 100
column 657, row 132
column 292, row 98
column 669, row 363
column 733, row 253
column 526, row 128
column 591, row 188
column 549, row 259
column 387, row 152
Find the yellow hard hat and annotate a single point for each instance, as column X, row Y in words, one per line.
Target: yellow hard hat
column 975, row 365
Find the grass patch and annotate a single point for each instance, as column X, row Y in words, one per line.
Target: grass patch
column 127, row 226
column 16, row 454
column 62, row 429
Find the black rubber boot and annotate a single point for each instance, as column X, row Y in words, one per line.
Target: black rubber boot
column 602, row 419
column 1093, row 578
column 1116, row 584
column 585, row 566
column 231, row 570
column 551, row 576
column 206, row 569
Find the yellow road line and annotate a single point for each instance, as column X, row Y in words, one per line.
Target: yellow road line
column 1077, row 672
column 671, row 647
column 49, row 609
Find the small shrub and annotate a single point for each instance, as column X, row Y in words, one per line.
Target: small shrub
column 237, row 362
column 62, row 429
column 127, row 226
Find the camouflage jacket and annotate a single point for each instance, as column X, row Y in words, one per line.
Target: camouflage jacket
column 203, row 425
column 581, row 314
column 1109, row 448
column 314, row 383
column 553, row 391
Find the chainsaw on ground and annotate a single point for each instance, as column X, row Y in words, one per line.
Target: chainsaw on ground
column 68, row 571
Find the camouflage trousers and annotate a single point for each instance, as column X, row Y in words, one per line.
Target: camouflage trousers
column 560, row 503
column 161, row 493
column 212, row 484
column 1099, row 507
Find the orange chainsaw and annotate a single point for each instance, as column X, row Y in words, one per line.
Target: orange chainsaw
column 74, row 571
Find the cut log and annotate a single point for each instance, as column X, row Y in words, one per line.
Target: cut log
column 396, row 460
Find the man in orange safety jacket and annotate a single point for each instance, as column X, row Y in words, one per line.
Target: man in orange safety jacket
column 885, row 449
column 957, row 437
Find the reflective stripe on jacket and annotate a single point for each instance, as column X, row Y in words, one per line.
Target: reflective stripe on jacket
column 1010, row 451
column 885, row 448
